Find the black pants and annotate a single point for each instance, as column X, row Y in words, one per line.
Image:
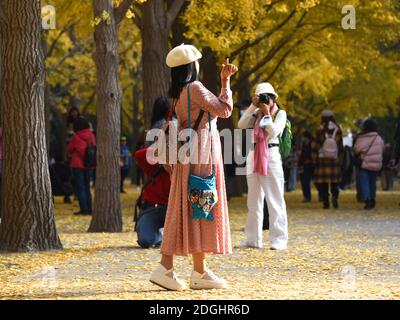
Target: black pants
column 324, row 190
column 305, row 179
column 124, row 174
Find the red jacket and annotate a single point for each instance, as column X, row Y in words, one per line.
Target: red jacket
column 77, row 147
column 156, row 192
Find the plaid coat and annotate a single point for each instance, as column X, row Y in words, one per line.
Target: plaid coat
column 327, row 170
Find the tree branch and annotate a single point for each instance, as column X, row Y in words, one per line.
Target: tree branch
column 55, row 41
column 121, row 10
column 276, row 49
column 173, row 11
column 258, row 40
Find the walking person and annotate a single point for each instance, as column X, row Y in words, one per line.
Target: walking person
column 78, row 151
column 327, row 150
column 387, row 173
column 265, row 177
column 186, row 230
column 306, row 165
column 369, row 148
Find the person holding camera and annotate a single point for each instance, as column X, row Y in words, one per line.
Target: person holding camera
column 265, row 177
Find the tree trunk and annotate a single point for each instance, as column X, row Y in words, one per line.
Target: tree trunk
column 107, row 208
column 156, row 78
column 136, row 123
column 27, row 208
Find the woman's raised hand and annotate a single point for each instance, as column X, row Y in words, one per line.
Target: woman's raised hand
column 228, row 70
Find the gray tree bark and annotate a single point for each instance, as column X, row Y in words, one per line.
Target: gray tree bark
column 107, row 215
column 156, row 22
column 27, row 208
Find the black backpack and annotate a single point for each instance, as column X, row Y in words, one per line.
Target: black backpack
column 90, row 156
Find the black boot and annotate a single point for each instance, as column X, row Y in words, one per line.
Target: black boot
column 335, row 202
column 326, row 204
column 373, row 203
column 368, row 205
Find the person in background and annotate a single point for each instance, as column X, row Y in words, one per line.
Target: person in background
column 61, row 179
column 160, row 111
column 73, row 114
column 161, row 108
column 140, row 144
column 290, row 169
column 347, row 167
column 76, row 149
column 387, row 173
column 327, row 150
column 306, row 165
column 396, row 150
column 125, row 161
column 265, row 178
column 369, row 147
column 153, row 202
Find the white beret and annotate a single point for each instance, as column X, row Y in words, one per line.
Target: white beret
column 181, row 55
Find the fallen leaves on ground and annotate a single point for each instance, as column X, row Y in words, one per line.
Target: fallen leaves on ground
column 333, row 254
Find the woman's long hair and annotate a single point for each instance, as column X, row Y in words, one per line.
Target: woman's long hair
column 71, row 118
column 180, row 77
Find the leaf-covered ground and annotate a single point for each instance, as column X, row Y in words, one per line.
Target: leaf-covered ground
column 343, row 254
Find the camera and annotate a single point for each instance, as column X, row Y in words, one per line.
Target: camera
column 264, row 98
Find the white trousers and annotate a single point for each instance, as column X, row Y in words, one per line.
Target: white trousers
column 270, row 187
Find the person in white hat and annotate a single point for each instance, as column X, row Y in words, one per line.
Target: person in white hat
column 265, row 176
column 184, row 233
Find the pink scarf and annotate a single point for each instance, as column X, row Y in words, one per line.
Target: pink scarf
column 261, row 150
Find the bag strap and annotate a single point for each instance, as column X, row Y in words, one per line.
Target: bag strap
column 196, row 126
column 370, row 146
column 171, row 113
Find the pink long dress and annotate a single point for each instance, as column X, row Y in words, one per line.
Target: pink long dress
column 182, row 235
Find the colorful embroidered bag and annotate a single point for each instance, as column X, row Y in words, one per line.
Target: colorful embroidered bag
column 203, row 194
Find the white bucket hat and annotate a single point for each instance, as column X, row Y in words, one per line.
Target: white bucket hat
column 266, row 87
column 181, row 55
column 327, row 113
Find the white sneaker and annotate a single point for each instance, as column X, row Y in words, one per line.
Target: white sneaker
column 278, row 247
column 243, row 244
column 207, row 280
column 167, row 279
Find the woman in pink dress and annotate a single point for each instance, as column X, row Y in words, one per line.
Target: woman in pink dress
column 184, row 235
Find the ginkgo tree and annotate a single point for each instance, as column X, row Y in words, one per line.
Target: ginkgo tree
column 302, row 48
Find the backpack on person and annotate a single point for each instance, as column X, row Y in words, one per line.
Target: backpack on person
column 285, row 139
column 329, row 149
column 90, row 156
